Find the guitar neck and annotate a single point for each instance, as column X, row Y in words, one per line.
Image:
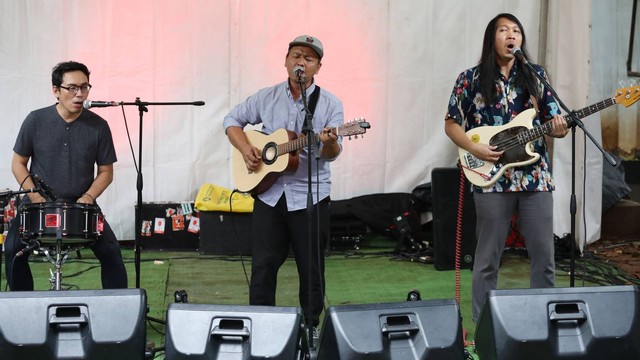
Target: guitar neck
column 302, row 142
column 540, row 131
column 296, row 144
column 354, row 128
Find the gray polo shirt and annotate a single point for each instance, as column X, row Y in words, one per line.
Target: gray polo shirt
column 64, row 154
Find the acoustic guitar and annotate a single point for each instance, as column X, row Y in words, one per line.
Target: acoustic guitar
column 280, row 153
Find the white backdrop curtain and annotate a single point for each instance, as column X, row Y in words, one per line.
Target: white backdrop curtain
column 392, row 62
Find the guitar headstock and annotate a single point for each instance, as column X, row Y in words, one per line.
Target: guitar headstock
column 354, row 127
column 627, row 96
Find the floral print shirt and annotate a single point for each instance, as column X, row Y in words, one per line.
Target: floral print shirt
column 468, row 108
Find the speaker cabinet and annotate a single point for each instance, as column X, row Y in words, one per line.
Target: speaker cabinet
column 73, row 324
column 562, row 323
column 426, row 330
column 225, row 233
column 202, row 331
column 445, row 187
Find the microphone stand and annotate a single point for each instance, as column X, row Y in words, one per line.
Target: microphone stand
column 142, row 108
column 573, row 122
column 307, row 129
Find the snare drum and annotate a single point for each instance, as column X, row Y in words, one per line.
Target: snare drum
column 73, row 223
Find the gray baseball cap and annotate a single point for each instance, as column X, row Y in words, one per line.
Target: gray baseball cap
column 310, row 41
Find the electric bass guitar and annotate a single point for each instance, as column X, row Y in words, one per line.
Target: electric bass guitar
column 279, row 153
column 516, row 137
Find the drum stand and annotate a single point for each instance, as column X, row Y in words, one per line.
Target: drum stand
column 61, row 254
column 57, row 258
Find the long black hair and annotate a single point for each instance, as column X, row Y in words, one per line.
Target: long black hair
column 489, row 70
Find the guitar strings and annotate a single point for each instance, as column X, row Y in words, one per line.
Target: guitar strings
column 514, row 141
column 546, row 127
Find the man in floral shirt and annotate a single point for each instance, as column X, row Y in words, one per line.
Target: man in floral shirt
column 493, row 93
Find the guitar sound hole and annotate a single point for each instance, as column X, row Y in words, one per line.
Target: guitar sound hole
column 270, row 153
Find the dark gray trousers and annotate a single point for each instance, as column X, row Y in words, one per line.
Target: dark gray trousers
column 535, row 220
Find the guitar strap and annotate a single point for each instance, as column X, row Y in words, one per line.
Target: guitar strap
column 535, row 104
column 313, row 99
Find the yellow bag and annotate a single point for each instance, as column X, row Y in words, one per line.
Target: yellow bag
column 216, row 198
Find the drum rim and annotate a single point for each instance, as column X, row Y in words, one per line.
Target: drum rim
column 58, row 205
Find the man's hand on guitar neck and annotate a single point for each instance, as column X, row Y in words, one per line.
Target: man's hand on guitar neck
column 559, row 127
column 331, row 148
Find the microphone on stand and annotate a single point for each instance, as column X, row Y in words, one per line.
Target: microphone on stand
column 299, row 71
column 45, row 190
column 88, row 104
column 527, row 69
column 33, row 245
column 517, row 52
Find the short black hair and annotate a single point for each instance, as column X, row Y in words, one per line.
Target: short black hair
column 64, row 67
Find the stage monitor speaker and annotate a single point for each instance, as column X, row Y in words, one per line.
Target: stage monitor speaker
column 560, row 323
column 202, row 331
column 425, row 330
column 73, row 324
column 445, row 187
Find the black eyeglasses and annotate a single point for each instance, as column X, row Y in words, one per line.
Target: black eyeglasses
column 74, row 88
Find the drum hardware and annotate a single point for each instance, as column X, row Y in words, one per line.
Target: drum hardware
column 61, row 253
column 57, row 229
column 77, row 223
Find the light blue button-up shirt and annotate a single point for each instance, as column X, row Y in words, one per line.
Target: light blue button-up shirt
column 275, row 108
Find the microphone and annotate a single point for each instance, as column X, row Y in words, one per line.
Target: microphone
column 88, row 104
column 299, row 71
column 45, row 190
column 33, row 245
column 519, row 55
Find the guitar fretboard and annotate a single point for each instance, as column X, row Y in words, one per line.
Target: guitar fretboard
column 295, row 144
column 539, row 131
column 352, row 128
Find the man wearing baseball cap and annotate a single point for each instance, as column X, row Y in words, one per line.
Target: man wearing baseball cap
column 280, row 219
column 310, row 41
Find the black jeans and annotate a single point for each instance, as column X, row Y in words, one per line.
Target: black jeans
column 275, row 231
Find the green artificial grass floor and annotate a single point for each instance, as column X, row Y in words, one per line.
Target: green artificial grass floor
column 367, row 275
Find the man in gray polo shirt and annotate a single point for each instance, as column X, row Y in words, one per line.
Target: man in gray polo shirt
column 64, row 143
